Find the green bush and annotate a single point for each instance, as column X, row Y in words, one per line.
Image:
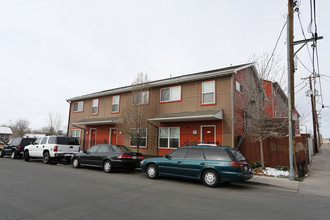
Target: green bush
column 283, row 168
column 255, row 164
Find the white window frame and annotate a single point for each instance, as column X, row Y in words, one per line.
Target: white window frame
column 144, row 97
column 146, row 137
column 168, row 138
column 239, row 87
column 113, row 99
column 95, row 105
column 80, row 106
column 208, row 92
column 171, row 96
column 74, row 134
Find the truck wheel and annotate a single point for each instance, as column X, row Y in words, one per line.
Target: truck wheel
column 46, row 158
column 13, row 154
column 26, row 156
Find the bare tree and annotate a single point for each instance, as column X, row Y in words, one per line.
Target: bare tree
column 53, row 124
column 259, row 118
column 20, row 127
column 136, row 113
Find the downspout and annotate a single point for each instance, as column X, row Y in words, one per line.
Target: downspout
column 84, row 134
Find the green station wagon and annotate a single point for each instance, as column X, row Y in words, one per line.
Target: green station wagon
column 211, row 164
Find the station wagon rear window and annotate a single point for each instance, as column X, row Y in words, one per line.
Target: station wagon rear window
column 216, row 154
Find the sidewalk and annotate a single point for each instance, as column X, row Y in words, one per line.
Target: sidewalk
column 317, row 182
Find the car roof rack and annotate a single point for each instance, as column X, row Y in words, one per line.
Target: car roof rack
column 187, row 143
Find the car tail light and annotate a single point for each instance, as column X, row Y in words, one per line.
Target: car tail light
column 55, row 148
column 140, row 157
column 124, row 156
column 236, row 164
column 19, row 147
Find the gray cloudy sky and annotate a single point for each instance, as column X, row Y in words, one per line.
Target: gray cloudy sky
column 54, row 50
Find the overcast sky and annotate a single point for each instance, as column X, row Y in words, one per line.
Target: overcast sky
column 54, row 50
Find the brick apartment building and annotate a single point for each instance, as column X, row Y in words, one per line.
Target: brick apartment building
column 200, row 107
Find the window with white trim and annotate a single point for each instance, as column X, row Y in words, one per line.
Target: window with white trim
column 208, row 92
column 140, row 98
column 115, row 104
column 170, row 94
column 95, row 106
column 138, row 136
column 76, row 133
column 169, row 137
column 239, row 87
column 78, row 106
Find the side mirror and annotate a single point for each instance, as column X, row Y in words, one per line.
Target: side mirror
column 168, row 156
column 85, row 151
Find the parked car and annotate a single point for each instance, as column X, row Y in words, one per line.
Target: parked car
column 52, row 148
column 15, row 147
column 211, row 164
column 108, row 157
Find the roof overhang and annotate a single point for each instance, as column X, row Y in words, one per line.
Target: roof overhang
column 189, row 116
column 100, row 121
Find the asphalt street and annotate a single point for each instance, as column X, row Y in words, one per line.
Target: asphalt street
column 33, row 190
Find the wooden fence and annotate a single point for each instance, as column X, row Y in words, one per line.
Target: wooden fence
column 276, row 150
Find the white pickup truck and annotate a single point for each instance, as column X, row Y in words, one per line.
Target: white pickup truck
column 52, row 148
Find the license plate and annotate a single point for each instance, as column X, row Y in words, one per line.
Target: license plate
column 133, row 157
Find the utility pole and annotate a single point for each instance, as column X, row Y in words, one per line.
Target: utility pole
column 314, row 115
column 292, row 141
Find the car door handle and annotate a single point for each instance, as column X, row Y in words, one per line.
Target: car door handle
column 202, row 164
column 179, row 162
column 71, row 147
column 36, row 146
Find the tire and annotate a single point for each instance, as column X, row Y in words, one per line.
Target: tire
column 26, row 156
column 107, row 166
column 152, row 171
column 46, row 158
column 211, row 178
column 13, row 154
column 2, row 153
column 75, row 162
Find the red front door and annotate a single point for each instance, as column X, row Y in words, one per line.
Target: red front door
column 208, row 134
column 93, row 137
column 113, row 135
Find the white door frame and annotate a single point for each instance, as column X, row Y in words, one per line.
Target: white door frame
column 111, row 135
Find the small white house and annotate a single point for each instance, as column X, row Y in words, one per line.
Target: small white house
column 5, row 133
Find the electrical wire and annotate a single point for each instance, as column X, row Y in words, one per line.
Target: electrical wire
column 304, row 65
column 278, row 39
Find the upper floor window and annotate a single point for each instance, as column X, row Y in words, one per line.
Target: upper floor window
column 239, row 87
column 208, row 92
column 140, row 98
column 95, row 106
column 170, row 94
column 115, row 104
column 78, row 106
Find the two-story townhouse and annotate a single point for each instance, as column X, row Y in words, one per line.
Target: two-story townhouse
column 200, row 107
column 276, row 106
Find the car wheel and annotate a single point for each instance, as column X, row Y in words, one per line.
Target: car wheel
column 2, row 153
column 211, row 178
column 13, row 155
column 152, row 171
column 26, row 156
column 46, row 158
column 75, row 162
column 107, row 166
